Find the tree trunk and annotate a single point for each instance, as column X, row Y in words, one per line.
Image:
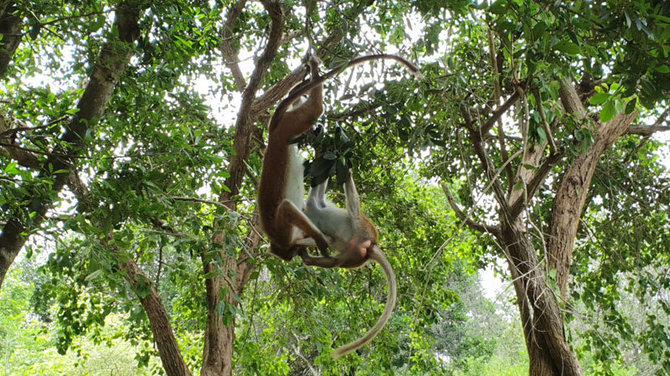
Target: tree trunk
column 10, row 30
column 542, row 320
column 166, row 342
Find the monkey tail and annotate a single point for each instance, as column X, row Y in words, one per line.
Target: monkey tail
column 377, row 255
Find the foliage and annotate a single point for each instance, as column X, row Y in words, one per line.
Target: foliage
column 29, row 342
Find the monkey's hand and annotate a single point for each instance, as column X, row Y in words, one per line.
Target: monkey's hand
column 323, row 262
column 319, row 242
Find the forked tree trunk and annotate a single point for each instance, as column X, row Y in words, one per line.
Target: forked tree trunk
column 549, row 352
column 540, row 310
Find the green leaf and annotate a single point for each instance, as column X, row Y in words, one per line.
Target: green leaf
column 499, row 7
column 630, row 107
column 567, row 47
column 599, row 98
column 608, row 112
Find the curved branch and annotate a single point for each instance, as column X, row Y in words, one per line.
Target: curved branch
column 229, row 53
column 495, row 230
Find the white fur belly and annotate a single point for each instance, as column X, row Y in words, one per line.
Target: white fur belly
column 295, row 186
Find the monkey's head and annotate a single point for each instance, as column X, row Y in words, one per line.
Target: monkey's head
column 361, row 244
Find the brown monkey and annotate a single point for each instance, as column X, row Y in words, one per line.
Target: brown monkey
column 281, row 191
column 281, row 198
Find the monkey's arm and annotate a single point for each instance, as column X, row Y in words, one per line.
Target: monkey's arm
column 320, row 261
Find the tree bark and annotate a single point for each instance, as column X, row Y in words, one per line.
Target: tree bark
column 573, row 188
column 166, row 342
column 548, row 350
column 113, row 59
column 10, row 30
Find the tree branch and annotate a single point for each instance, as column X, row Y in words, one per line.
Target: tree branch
column 228, row 52
column 646, row 130
column 10, row 149
column 246, row 117
column 478, row 143
column 495, row 116
column 10, row 31
column 494, row 230
column 163, row 334
column 545, row 124
column 540, row 174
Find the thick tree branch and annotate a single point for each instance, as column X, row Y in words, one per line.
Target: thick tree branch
column 573, row 187
column 166, row 342
column 495, row 230
column 246, row 117
column 10, row 149
column 570, row 99
column 279, row 90
column 229, row 53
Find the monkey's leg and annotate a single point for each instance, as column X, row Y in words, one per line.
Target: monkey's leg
column 289, row 213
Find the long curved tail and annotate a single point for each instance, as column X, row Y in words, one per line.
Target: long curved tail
column 377, row 255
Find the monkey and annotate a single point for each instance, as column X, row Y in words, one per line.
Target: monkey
column 355, row 239
column 293, row 225
column 281, row 191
